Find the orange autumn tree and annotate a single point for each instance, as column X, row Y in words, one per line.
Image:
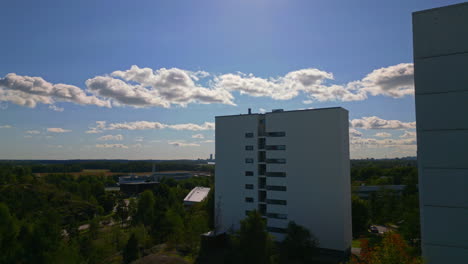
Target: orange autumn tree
column 392, row 250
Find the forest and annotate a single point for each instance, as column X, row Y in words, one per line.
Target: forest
column 58, row 217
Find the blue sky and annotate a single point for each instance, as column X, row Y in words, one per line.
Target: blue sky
column 65, row 65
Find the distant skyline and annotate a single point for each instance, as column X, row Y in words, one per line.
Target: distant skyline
column 145, row 79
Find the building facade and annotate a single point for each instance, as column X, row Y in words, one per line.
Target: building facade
column 289, row 166
column 440, row 39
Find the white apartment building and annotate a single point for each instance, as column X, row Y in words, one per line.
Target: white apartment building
column 290, row 166
column 440, row 39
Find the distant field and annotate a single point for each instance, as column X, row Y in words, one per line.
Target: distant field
column 95, row 173
column 105, row 173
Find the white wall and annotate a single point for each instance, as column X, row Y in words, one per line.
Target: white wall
column 441, row 79
column 317, row 153
column 230, row 176
column 317, row 167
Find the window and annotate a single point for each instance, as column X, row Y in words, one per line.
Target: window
column 249, row 173
column 249, row 186
column 276, row 174
column 248, row 160
column 276, row 229
column 248, row 147
column 249, row 135
column 279, row 202
column 276, row 188
column 276, row 134
column 276, row 161
column 277, row 216
column 249, row 200
column 276, row 147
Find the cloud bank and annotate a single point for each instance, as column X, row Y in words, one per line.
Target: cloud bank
column 145, row 87
column 145, row 125
column 29, row 91
column 374, row 122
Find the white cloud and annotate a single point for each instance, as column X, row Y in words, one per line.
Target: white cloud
column 111, row 137
column 143, row 125
column 111, row 146
column 57, row 130
column 354, row 133
column 383, row 134
column 56, row 108
column 198, row 136
column 395, row 81
column 374, row 122
column 207, row 141
column 262, row 110
column 139, row 139
column 182, row 143
column 161, row 88
column 33, row 132
column 145, row 87
column 383, row 142
column 5, row 126
column 408, row 134
column 29, row 91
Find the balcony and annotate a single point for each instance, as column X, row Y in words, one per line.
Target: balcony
column 261, row 143
column 262, row 196
column 262, row 209
column 261, row 169
column 276, row 161
column 261, row 156
column 261, row 183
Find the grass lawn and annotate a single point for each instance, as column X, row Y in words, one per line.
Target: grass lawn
column 356, row 243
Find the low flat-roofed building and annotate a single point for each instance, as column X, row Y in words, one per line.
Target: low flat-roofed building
column 132, row 188
column 135, row 179
column 365, row 191
column 196, row 195
column 177, row 175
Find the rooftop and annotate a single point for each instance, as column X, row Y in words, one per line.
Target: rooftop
column 275, row 111
column 197, row 195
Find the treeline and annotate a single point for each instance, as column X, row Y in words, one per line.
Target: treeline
column 374, row 175
column 113, row 166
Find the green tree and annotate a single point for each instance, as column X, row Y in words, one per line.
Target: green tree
column 94, row 228
column 299, row 245
column 131, row 252
column 8, row 235
column 360, row 215
column 196, row 224
column 255, row 244
column 145, row 208
column 173, row 227
column 46, row 237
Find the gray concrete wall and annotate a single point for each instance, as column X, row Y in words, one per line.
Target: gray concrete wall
column 441, row 78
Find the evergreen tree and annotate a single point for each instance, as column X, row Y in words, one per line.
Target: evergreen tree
column 255, row 244
column 130, row 252
column 8, row 235
column 299, row 246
